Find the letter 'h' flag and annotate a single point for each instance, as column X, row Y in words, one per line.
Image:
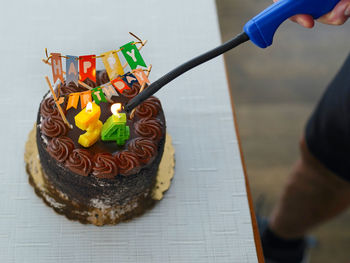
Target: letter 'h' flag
column 56, row 64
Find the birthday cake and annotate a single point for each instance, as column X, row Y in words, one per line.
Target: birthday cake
column 99, row 163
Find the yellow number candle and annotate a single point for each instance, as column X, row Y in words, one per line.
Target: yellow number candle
column 88, row 119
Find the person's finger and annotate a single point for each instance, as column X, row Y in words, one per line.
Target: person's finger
column 303, row 20
column 338, row 15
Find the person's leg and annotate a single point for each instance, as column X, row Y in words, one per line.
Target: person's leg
column 319, row 185
column 312, row 195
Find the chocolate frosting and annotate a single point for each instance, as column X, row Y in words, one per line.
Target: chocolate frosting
column 60, row 148
column 79, row 161
column 48, row 108
column 132, row 91
column 149, row 128
column 149, row 108
column 70, row 88
column 127, row 162
column 102, row 77
column 53, row 126
column 144, row 149
column 104, row 166
column 104, row 160
column 89, row 82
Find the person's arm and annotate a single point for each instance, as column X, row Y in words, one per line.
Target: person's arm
column 338, row 16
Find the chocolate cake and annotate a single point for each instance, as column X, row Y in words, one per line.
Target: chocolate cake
column 105, row 183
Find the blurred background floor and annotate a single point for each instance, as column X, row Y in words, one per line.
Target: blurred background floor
column 274, row 91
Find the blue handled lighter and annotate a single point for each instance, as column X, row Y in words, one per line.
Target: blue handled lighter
column 260, row 30
column 262, row 27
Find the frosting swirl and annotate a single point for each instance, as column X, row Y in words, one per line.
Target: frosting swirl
column 132, row 91
column 53, row 126
column 149, row 128
column 104, row 166
column 144, row 149
column 127, row 162
column 48, row 108
column 89, row 82
column 149, row 108
column 60, row 147
column 79, row 161
column 70, row 88
column 102, row 77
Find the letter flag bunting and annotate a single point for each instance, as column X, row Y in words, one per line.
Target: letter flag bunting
column 80, row 68
column 102, row 93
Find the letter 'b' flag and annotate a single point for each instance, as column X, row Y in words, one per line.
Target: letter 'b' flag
column 56, row 64
column 132, row 55
column 112, row 64
column 72, row 70
column 87, row 67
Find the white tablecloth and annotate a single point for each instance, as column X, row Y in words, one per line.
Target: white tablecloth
column 204, row 217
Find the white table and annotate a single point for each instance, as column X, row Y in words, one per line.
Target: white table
column 205, row 216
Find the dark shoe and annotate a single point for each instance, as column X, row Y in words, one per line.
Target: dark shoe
column 279, row 250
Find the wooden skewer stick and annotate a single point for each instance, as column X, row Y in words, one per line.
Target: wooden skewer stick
column 147, row 74
column 57, row 104
column 141, row 89
column 84, row 85
column 57, row 86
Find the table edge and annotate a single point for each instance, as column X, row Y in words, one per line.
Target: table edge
column 257, row 240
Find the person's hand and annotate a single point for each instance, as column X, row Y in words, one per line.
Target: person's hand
column 337, row 16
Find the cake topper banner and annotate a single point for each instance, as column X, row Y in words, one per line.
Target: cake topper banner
column 104, row 92
column 81, row 68
column 87, row 64
column 74, row 69
column 98, row 94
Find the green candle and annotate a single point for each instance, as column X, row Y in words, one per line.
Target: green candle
column 115, row 129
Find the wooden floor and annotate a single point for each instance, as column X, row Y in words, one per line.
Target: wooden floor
column 275, row 90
